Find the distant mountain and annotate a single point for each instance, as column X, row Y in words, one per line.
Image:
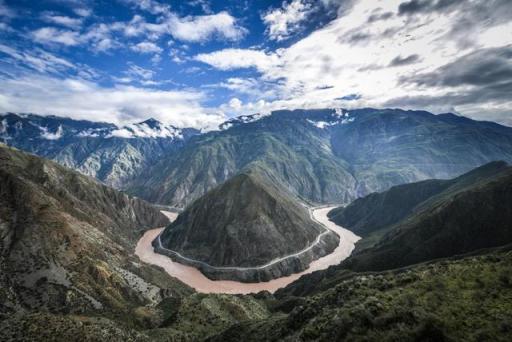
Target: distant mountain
column 328, row 155
column 109, row 153
column 67, row 244
column 247, row 221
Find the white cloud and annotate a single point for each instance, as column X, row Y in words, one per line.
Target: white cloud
column 63, row 20
column 154, row 7
column 6, row 11
column 98, row 37
column 147, row 47
column 81, row 99
column 283, row 22
column 201, row 28
column 140, row 72
column 351, row 55
column 38, row 60
column 83, row 12
column 235, row 103
column 51, row 136
column 229, row 59
column 47, row 35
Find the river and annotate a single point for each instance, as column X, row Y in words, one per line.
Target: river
column 194, row 278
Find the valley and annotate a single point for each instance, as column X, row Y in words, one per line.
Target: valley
column 420, row 236
column 253, row 171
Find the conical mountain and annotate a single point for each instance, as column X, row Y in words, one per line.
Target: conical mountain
column 246, row 223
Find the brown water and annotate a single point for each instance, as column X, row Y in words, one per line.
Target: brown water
column 194, row 278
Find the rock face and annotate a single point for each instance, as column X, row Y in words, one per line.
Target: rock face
column 67, row 242
column 242, row 225
column 329, row 155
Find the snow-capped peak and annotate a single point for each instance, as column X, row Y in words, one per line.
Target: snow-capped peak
column 338, row 117
column 46, row 134
column 150, row 128
column 242, row 119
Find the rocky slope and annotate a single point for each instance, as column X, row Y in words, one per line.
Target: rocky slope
column 328, row 155
column 114, row 155
column 246, row 222
column 67, row 246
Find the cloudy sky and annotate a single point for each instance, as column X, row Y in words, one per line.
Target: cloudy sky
column 195, row 63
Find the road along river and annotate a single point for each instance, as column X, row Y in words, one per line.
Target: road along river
column 194, row 278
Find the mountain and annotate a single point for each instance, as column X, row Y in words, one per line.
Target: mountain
column 327, row 155
column 109, row 153
column 471, row 215
column 372, row 216
column 246, row 222
column 67, row 246
column 456, row 221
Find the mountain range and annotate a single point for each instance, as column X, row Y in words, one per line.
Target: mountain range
column 429, row 195
column 330, row 155
column 112, row 154
column 321, row 156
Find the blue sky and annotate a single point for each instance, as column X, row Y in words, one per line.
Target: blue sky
column 196, row 63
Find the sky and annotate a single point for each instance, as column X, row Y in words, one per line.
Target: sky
column 196, row 63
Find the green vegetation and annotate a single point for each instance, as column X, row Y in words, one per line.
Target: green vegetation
column 468, row 299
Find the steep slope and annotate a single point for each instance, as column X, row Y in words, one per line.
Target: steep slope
column 373, row 215
column 474, row 217
column 245, row 223
column 328, row 155
column 67, row 244
column 109, row 153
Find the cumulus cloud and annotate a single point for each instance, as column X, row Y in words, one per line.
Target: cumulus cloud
column 82, row 11
column 147, row 47
column 199, row 28
column 230, row 59
column 82, row 99
column 285, row 21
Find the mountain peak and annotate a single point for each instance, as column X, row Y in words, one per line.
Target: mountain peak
column 151, row 122
column 244, row 223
